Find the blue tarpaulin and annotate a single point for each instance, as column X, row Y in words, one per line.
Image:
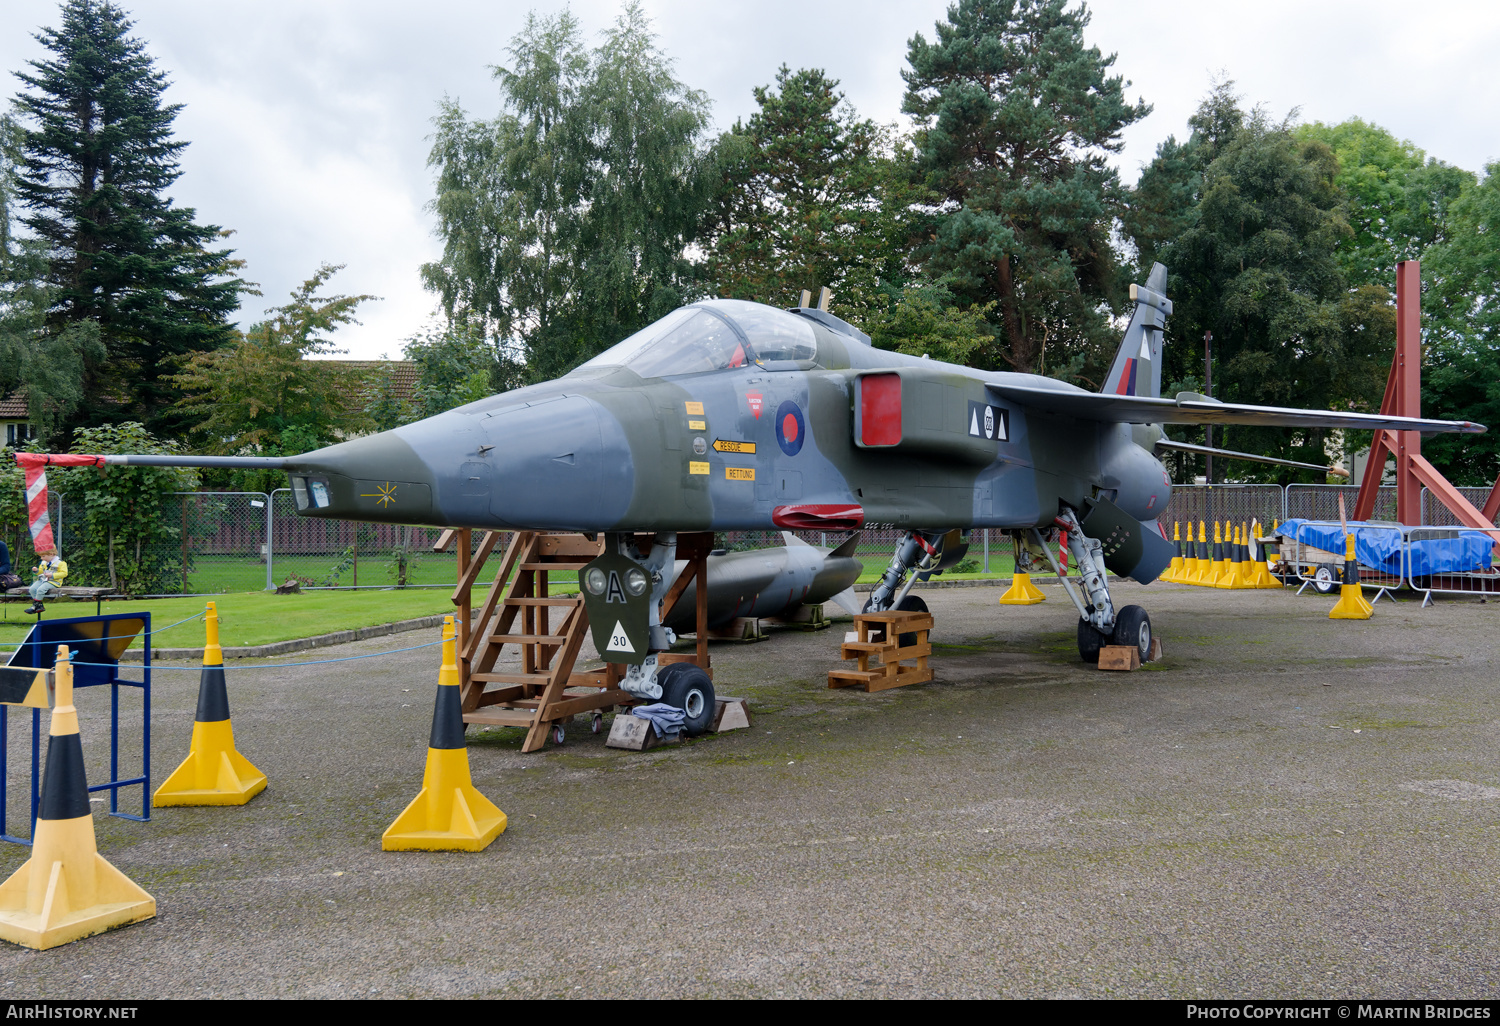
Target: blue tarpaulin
column 1378, row 546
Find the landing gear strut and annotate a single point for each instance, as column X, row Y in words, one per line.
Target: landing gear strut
column 916, row 549
column 1099, row 624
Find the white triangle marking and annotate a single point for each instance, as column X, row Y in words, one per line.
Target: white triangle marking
column 974, row 423
column 619, row 641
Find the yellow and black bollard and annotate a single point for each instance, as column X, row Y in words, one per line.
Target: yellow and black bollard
column 449, row 814
column 1351, row 604
column 67, row 891
column 214, row 773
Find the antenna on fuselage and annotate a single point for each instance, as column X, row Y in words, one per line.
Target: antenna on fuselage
column 825, row 296
column 804, row 299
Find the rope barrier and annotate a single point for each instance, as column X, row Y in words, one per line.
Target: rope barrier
column 116, row 637
column 274, row 666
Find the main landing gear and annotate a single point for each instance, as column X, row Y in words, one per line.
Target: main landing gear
column 1099, row 624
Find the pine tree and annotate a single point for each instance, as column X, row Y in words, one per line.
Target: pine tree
column 1015, row 119
column 97, row 158
column 800, row 201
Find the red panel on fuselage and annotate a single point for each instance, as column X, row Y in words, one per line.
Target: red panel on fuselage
column 880, row 409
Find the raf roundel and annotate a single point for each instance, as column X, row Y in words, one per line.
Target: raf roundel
column 790, row 427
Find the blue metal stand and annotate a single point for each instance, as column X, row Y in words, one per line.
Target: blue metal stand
column 96, row 644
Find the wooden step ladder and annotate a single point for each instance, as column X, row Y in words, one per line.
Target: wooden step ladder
column 549, row 631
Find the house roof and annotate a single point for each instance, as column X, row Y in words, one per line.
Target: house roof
column 403, row 374
column 13, row 407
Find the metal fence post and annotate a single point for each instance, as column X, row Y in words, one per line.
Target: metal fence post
column 270, row 583
column 986, row 550
column 270, row 534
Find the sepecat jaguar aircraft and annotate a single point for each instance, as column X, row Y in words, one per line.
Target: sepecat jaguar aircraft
column 730, row 415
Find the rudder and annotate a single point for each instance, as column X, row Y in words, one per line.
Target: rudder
column 1137, row 366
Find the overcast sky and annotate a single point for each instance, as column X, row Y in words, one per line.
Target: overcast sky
column 308, row 121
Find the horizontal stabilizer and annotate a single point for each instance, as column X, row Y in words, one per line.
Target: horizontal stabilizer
column 1167, row 443
column 1190, row 408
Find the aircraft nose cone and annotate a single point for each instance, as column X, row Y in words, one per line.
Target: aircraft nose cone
column 379, row 477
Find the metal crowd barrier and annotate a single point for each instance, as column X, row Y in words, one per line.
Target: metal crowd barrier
column 1480, row 580
column 1322, row 569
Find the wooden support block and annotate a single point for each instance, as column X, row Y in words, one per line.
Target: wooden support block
column 729, row 714
column 1155, row 655
column 741, row 628
column 632, row 733
column 1119, row 657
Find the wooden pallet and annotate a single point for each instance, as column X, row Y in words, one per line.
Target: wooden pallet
column 888, row 672
column 549, row 630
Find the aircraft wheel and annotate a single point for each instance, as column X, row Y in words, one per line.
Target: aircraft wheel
column 598, row 723
column 911, row 604
column 1325, row 579
column 1090, row 641
column 688, row 687
column 1133, row 627
column 558, row 733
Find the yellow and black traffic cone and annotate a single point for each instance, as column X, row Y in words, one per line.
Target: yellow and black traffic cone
column 1176, row 569
column 1199, row 562
column 1261, row 576
column 214, row 773
column 1351, row 604
column 449, row 814
column 67, row 891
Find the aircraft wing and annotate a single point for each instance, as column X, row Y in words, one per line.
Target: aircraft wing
column 1191, row 408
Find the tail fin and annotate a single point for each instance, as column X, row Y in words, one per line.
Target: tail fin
column 1137, row 366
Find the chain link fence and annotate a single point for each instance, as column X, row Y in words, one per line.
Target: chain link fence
column 1436, row 514
column 1210, row 504
column 1321, row 502
column 249, row 541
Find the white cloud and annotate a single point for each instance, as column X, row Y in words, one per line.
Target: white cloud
column 308, row 122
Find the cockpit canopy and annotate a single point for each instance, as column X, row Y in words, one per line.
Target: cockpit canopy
column 720, row 334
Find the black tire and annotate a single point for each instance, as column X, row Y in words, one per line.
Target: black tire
column 1133, row 627
column 1325, row 579
column 688, row 688
column 1090, row 641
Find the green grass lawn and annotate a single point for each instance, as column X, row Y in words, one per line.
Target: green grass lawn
column 258, row 617
column 252, row 618
column 220, row 574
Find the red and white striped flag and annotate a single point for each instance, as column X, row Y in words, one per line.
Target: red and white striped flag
column 35, row 464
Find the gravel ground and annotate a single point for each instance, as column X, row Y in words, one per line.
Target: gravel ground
column 1285, row 806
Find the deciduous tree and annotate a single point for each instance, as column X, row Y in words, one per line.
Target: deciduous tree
column 264, row 395
column 566, row 219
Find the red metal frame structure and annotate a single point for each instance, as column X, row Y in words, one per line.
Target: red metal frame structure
column 1403, row 398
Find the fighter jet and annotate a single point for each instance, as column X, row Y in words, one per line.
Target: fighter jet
column 730, row 415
